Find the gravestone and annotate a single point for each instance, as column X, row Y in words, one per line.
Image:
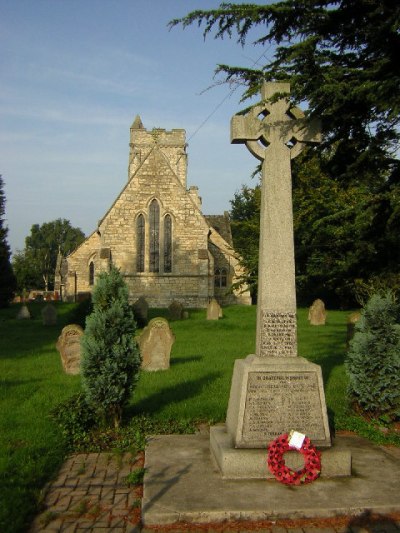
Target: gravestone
column 214, row 311
column 155, row 343
column 49, row 315
column 141, row 310
column 23, row 313
column 273, row 391
column 69, row 348
column 317, row 313
column 351, row 326
column 175, row 310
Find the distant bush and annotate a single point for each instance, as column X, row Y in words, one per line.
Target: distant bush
column 110, row 357
column 373, row 359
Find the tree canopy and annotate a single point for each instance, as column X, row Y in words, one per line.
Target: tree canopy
column 35, row 265
column 7, row 279
column 340, row 57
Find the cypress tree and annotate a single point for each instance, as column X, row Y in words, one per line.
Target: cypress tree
column 110, row 357
column 7, row 278
column 373, row 359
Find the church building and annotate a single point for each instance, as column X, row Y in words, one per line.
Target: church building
column 156, row 234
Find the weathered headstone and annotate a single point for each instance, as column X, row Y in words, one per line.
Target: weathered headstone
column 141, row 310
column 23, row 313
column 351, row 325
column 214, row 311
column 317, row 313
column 274, row 391
column 49, row 315
column 69, row 347
column 155, row 343
column 175, row 310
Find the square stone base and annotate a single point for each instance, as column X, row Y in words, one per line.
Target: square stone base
column 273, row 395
column 243, row 463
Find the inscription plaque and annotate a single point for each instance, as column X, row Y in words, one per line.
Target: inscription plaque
column 278, row 334
column 278, row 402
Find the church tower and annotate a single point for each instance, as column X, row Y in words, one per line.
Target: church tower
column 171, row 143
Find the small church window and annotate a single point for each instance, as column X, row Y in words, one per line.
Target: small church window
column 168, row 244
column 220, row 277
column 154, row 226
column 140, row 242
column 91, row 273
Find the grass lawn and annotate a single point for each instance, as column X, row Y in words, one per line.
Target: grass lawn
column 196, row 387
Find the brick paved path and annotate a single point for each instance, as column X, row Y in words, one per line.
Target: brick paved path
column 91, row 493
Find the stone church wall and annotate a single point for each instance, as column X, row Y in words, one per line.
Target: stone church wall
column 156, row 177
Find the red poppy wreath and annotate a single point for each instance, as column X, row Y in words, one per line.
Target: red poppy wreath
column 284, row 474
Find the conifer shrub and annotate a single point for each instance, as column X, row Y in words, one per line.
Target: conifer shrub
column 110, row 356
column 373, row 359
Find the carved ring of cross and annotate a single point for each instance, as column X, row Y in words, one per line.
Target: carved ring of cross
column 280, row 122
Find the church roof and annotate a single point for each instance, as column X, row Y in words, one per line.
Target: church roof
column 221, row 224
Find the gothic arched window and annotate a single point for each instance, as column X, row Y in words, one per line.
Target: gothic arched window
column 91, row 273
column 154, row 226
column 168, row 243
column 220, row 277
column 140, row 243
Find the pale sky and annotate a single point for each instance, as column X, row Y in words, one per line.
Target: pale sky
column 73, row 76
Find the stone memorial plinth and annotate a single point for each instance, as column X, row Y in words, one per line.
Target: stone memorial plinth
column 69, row 348
column 155, row 343
column 270, row 396
column 274, row 391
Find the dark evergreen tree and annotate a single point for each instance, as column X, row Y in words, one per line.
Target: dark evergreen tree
column 110, row 356
column 340, row 57
column 344, row 246
column 7, row 278
column 373, row 359
column 245, row 224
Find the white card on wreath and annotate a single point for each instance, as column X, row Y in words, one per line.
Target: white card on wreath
column 296, row 439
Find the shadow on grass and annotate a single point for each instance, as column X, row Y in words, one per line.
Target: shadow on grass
column 172, row 394
column 181, row 360
column 6, row 384
column 326, row 350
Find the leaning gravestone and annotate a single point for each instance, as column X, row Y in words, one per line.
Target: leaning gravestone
column 155, row 343
column 273, row 391
column 317, row 313
column 49, row 315
column 141, row 310
column 175, row 310
column 23, row 313
column 214, row 311
column 69, row 347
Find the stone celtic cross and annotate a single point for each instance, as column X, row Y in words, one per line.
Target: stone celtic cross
column 275, row 132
